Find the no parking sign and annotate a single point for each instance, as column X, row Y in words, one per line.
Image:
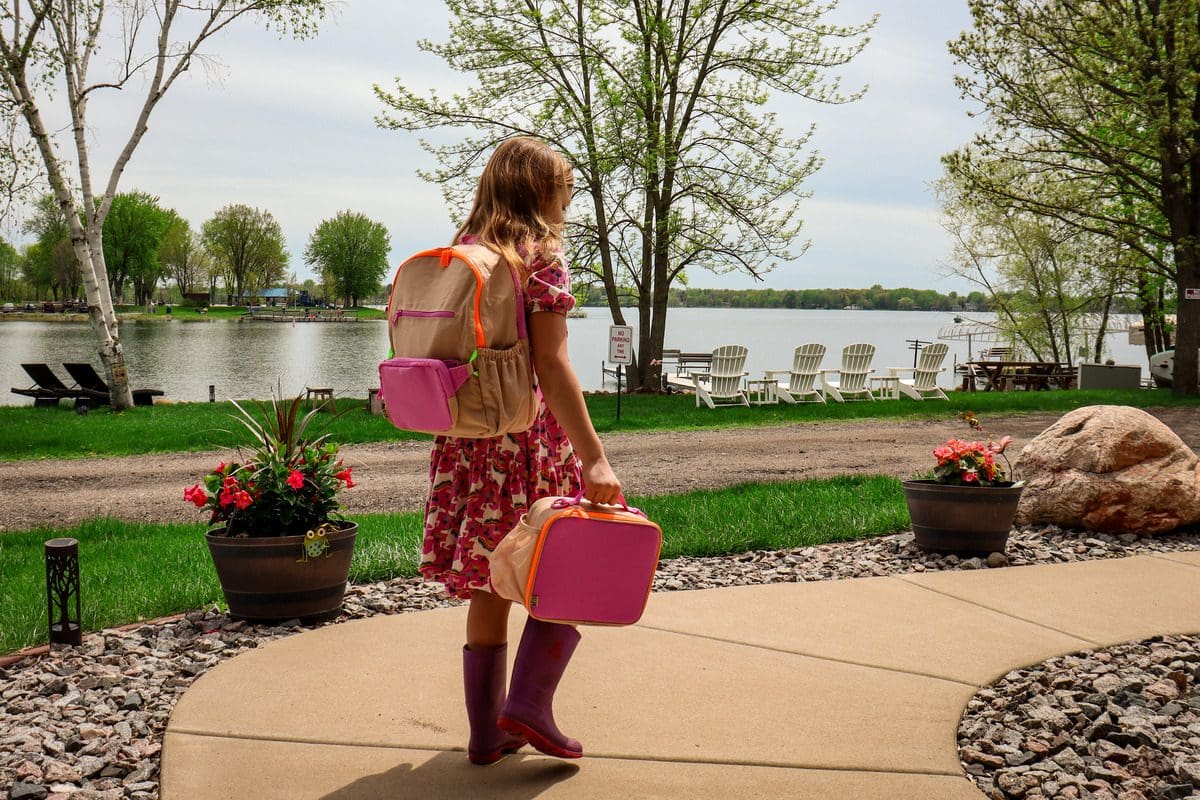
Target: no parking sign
column 620, row 351
column 620, row 344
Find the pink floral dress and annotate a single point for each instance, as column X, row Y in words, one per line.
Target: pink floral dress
column 479, row 488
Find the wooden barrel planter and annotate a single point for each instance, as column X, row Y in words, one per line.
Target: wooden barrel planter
column 964, row 520
column 272, row 578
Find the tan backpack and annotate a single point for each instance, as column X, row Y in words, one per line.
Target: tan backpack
column 459, row 362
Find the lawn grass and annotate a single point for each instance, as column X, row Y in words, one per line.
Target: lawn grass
column 131, row 572
column 31, row 433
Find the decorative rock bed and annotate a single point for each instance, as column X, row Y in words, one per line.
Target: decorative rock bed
column 87, row 724
column 1120, row 723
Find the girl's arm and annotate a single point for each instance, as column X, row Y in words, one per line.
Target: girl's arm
column 560, row 388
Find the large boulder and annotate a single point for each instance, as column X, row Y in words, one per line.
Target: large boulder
column 1112, row 469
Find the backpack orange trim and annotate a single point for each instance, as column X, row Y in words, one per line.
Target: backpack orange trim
column 444, row 255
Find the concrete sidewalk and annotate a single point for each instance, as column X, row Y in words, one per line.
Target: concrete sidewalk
column 813, row 690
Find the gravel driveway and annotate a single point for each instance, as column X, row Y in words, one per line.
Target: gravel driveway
column 392, row 477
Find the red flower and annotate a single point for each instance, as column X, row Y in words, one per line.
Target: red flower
column 295, row 479
column 344, row 475
column 243, row 500
column 228, row 495
column 197, row 495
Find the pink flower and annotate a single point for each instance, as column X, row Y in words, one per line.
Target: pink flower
column 295, row 479
column 998, row 447
column 969, row 476
column 197, row 495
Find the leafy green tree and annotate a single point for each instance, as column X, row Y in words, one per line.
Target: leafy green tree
column 353, row 251
column 247, row 245
column 1045, row 276
column 50, row 65
column 133, row 233
column 184, row 257
column 49, row 264
column 661, row 109
column 1103, row 97
column 10, row 271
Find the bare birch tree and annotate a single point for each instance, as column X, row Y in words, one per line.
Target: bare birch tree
column 47, row 54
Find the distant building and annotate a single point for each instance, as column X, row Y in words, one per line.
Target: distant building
column 278, row 296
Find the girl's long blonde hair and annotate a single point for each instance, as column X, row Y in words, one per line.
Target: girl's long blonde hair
column 520, row 179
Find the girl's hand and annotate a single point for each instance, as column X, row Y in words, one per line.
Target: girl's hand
column 600, row 484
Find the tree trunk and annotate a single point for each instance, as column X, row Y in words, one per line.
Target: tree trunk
column 1187, row 328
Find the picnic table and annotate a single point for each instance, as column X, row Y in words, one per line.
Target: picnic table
column 1004, row 375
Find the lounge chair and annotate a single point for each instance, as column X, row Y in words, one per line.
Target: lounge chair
column 722, row 384
column 48, row 388
column 89, row 380
column 852, row 376
column 923, row 384
column 806, row 365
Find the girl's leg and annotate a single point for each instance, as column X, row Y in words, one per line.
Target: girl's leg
column 484, row 679
column 487, row 620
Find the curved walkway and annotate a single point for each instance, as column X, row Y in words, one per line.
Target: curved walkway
column 813, row 690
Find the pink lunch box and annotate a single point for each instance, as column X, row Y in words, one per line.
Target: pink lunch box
column 576, row 562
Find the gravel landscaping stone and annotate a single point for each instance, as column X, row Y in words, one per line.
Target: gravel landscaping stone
column 88, row 722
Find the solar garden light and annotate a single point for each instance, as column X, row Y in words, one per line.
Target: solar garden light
column 62, row 592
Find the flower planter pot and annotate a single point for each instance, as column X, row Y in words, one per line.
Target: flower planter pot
column 964, row 520
column 278, row 578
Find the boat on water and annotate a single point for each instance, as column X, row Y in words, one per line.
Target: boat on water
column 852, row 307
column 1162, row 368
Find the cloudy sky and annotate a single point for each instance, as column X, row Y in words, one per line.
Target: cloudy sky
column 289, row 126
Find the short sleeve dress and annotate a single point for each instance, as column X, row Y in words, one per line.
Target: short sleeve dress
column 479, row 488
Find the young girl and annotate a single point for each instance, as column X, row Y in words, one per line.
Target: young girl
column 479, row 488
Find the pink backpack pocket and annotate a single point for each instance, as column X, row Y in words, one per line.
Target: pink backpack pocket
column 419, row 393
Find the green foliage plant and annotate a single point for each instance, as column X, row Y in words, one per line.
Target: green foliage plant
column 290, row 484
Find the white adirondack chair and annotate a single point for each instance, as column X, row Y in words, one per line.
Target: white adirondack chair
column 852, row 376
column 802, row 377
column 722, row 384
column 923, row 384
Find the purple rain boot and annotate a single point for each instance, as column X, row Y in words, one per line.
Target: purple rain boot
column 483, row 684
column 542, row 657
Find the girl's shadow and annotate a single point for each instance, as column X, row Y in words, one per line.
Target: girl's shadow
column 449, row 774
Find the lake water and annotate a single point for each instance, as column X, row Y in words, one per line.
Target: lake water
column 250, row 359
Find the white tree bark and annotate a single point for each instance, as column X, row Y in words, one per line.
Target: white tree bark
column 48, row 37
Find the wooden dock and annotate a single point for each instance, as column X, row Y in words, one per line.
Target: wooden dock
column 298, row 315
